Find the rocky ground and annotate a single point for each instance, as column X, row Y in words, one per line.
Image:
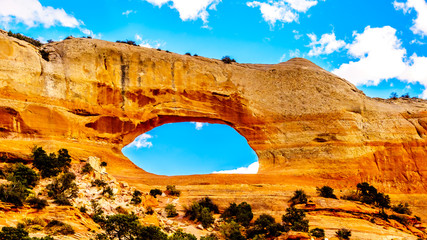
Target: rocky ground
column 329, row 214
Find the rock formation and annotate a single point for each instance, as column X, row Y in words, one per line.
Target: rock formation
column 94, row 97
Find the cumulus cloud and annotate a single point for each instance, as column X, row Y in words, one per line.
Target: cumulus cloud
column 285, row 11
column 32, row 13
column 327, row 44
column 142, row 141
column 251, row 169
column 380, row 57
column 199, row 125
column 147, row 43
column 420, row 6
column 189, row 9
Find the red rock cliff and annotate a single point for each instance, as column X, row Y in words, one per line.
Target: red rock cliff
column 94, row 97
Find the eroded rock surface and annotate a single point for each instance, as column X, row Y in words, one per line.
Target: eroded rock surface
column 94, row 97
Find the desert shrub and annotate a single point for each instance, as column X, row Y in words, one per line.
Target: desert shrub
column 154, row 192
column 326, row 192
column 343, row 233
column 99, row 183
column 103, row 164
column 14, row 193
column 172, row 191
column 108, row 191
column 57, row 227
column 368, row 194
column 188, row 54
column 180, row 235
column 393, row 95
column 51, row 165
column 232, row 231
column 265, row 225
column 63, row 188
column 12, row 233
column 150, row 233
column 171, row 210
column 23, row 174
column 87, row 168
column 97, row 213
column 295, row 219
column 149, row 211
column 211, row 236
column 402, row 208
column 227, row 60
column 83, row 209
column 195, row 55
column 199, row 213
column 299, row 197
column 207, row 203
column 121, row 226
column 136, row 197
column 36, row 202
column 129, row 42
column 241, row 213
column 406, row 95
column 317, row 233
column 32, row 225
column 19, row 36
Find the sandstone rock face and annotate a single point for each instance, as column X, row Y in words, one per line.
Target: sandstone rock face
column 94, row 97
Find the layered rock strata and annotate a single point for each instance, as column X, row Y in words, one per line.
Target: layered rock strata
column 95, row 97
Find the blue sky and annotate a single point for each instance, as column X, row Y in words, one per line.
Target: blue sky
column 380, row 46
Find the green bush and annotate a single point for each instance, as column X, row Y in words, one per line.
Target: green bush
column 172, row 191
column 149, row 211
column 108, row 191
column 295, row 219
column 200, row 214
column 83, row 209
column 299, row 197
column 63, row 188
column 207, row 203
column 87, row 168
column 37, row 203
column 343, row 233
column 402, row 208
column 241, row 213
column 326, row 192
column 180, row 235
column 227, row 60
column 231, row 231
column 150, row 233
column 154, row 192
column 121, row 226
column 51, row 165
column 103, row 164
column 171, row 211
column 136, row 197
column 317, row 233
column 14, row 193
column 19, row 36
column 23, row 174
column 265, row 225
column 99, row 183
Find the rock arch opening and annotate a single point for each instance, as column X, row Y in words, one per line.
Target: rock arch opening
column 188, row 148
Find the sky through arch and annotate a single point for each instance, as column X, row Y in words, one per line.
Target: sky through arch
column 192, row 148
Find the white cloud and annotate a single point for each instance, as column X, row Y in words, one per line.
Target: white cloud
column 126, row 13
column 285, row 11
column 189, row 9
column 32, row 13
column 142, row 141
column 147, row 43
column 327, row 44
column 199, row 125
column 251, row 169
column 380, row 57
column 297, row 35
column 420, row 6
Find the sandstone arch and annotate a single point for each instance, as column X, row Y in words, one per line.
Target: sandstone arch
column 94, row 97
